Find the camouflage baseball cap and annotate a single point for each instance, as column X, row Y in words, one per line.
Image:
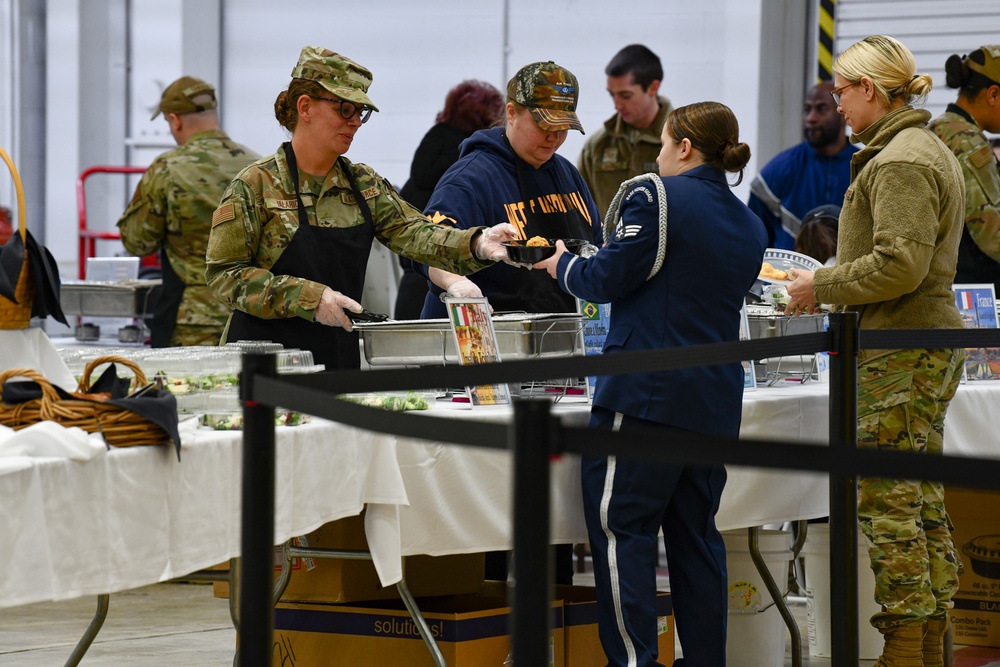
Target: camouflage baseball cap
column 341, row 76
column 550, row 92
column 991, row 68
column 179, row 97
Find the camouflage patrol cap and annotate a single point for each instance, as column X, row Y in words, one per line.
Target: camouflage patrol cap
column 179, row 97
column 550, row 92
column 339, row 75
column 991, row 68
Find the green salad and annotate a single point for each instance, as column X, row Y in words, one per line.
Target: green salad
column 394, row 403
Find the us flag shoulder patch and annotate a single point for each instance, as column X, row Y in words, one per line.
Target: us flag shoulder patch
column 224, row 213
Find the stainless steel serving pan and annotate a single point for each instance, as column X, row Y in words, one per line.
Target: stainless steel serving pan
column 432, row 342
column 105, row 299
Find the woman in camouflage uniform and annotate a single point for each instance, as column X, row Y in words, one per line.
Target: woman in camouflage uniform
column 961, row 127
column 899, row 231
column 290, row 240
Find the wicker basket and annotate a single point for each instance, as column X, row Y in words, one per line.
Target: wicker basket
column 120, row 427
column 18, row 315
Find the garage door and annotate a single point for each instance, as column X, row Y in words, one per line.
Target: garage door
column 931, row 29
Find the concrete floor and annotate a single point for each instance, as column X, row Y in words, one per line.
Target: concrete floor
column 183, row 624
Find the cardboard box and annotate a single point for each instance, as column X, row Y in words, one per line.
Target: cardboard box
column 470, row 630
column 583, row 644
column 338, row 581
column 976, row 515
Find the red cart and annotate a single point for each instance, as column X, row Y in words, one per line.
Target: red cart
column 89, row 237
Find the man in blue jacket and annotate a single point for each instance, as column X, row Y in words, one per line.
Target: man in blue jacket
column 808, row 175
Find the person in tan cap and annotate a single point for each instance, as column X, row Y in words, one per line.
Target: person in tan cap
column 172, row 208
column 291, row 238
column 961, row 128
column 513, row 173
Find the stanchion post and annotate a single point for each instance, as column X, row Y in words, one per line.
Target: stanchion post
column 844, row 491
column 532, row 445
column 257, row 539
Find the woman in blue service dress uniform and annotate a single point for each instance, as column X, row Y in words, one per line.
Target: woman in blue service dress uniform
column 689, row 294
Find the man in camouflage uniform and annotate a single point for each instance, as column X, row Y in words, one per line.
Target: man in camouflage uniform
column 172, row 208
column 290, row 240
column 629, row 141
column 961, row 128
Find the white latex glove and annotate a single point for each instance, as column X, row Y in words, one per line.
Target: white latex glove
column 464, row 289
column 488, row 242
column 332, row 305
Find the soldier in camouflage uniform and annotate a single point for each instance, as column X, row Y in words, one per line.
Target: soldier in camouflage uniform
column 960, row 127
column 898, row 244
column 628, row 142
column 172, row 208
column 290, row 240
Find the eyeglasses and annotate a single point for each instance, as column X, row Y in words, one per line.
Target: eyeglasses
column 835, row 93
column 349, row 109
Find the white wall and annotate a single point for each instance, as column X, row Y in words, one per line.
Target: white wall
column 417, row 52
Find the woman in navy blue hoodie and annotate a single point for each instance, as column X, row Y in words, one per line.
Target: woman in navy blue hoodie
column 688, row 294
column 513, row 174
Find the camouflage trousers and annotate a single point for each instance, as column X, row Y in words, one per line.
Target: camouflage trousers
column 902, row 400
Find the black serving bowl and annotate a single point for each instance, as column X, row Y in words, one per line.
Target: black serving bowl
column 518, row 251
column 573, row 245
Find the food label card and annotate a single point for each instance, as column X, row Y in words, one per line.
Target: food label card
column 597, row 321
column 477, row 344
column 749, row 374
column 977, row 306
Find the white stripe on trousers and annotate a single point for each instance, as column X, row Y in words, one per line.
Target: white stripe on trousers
column 609, row 483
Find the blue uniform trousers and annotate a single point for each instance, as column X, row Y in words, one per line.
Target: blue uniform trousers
column 625, row 505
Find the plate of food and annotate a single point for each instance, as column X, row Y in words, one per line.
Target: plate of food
column 538, row 248
column 778, row 264
column 529, row 251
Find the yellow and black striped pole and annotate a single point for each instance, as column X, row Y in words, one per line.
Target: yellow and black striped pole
column 824, row 52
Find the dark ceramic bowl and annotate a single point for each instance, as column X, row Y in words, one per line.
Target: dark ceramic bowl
column 526, row 254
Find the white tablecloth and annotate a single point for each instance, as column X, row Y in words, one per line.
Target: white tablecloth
column 136, row 516
column 460, row 496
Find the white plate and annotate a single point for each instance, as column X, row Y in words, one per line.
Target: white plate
column 785, row 260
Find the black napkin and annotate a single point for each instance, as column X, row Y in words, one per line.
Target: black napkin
column 157, row 405
column 44, row 272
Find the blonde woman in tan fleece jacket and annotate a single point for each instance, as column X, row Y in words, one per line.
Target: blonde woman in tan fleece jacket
column 897, row 249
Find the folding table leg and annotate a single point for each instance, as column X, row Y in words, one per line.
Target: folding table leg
column 421, row 623
column 290, row 551
column 103, row 602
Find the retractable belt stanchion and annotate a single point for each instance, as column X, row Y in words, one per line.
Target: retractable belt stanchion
column 844, row 491
column 257, row 524
column 533, row 436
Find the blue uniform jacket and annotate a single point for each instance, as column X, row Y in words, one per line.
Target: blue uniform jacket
column 715, row 246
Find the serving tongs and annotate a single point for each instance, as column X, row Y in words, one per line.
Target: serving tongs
column 366, row 316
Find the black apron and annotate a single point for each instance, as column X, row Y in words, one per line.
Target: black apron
column 333, row 256
column 535, row 291
column 167, row 304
